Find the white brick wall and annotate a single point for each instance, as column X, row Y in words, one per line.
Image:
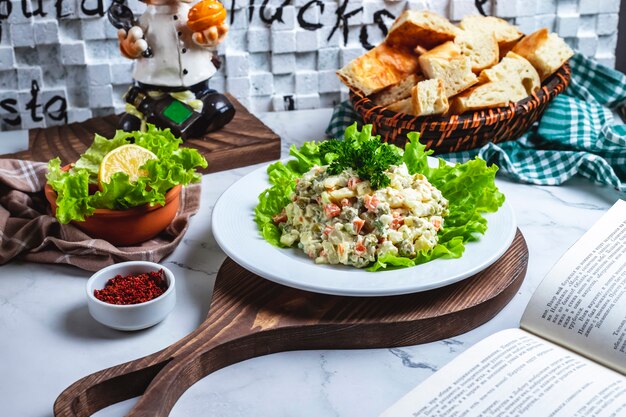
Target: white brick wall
column 70, row 58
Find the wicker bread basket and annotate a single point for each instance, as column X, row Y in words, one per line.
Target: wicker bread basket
column 468, row 130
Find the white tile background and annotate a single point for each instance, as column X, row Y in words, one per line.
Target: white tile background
column 79, row 73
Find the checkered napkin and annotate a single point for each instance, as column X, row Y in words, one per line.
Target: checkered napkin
column 30, row 233
column 576, row 134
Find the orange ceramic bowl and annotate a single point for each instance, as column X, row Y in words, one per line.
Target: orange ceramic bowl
column 126, row 227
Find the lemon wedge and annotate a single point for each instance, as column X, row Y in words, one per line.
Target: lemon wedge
column 128, row 159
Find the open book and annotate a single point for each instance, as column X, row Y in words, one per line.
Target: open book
column 567, row 359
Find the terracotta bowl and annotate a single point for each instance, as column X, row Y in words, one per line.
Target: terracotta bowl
column 126, row 227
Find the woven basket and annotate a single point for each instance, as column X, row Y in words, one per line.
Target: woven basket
column 468, row 130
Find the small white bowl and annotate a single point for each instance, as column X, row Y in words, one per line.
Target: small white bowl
column 131, row 316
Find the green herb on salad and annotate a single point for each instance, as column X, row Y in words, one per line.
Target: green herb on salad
column 174, row 165
column 469, row 189
column 364, row 153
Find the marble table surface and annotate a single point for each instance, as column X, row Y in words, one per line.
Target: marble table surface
column 48, row 340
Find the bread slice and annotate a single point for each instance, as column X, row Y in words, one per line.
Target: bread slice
column 448, row 63
column 545, row 51
column 513, row 68
column 379, row 68
column 506, row 34
column 480, row 47
column 489, row 95
column 396, row 92
column 402, row 106
column 419, row 50
column 423, row 28
column 429, row 97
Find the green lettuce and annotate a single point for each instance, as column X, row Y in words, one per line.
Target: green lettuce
column 174, row 165
column 469, row 188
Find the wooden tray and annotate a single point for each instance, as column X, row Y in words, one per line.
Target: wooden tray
column 250, row 316
column 244, row 141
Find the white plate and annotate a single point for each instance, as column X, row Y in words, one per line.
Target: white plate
column 236, row 233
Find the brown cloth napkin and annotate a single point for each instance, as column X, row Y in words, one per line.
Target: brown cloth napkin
column 29, row 232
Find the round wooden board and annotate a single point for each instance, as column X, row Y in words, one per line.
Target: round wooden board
column 416, row 318
column 251, row 316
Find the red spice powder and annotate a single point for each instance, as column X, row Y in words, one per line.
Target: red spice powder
column 133, row 289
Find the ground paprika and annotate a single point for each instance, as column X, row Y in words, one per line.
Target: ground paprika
column 133, row 289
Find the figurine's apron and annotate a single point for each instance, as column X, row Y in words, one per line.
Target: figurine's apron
column 177, row 60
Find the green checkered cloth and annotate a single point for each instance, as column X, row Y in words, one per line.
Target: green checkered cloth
column 577, row 133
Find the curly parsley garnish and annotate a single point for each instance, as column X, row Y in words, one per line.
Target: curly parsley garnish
column 365, row 154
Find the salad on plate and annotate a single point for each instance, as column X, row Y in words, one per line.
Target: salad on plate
column 369, row 204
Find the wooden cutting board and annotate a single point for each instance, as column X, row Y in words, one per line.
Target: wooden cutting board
column 244, row 141
column 250, row 316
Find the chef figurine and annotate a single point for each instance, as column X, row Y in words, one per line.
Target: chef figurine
column 173, row 44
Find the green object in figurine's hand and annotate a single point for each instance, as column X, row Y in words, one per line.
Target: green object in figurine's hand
column 177, row 112
column 173, row 166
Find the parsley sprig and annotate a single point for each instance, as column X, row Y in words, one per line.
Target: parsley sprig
column 365, row 154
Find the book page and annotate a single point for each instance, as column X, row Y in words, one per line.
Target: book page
column 515, row 373
column 581, row 303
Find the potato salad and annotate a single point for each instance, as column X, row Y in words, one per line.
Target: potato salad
column 341, row 219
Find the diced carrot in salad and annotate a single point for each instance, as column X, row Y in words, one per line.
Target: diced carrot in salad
column 352, row 182
column 360, row 247
column 371, row 202
column 332, row 210
column 345, row 202
column 396, row 223
column 357, row 224
column 280, row 217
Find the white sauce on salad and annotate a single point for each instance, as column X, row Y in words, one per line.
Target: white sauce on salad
column 339, row 219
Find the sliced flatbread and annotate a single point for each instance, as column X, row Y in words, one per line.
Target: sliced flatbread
column 547, row 52
column 381, row 67
column 480, row 47
column 514, row 68
column 448, row 63
column 506, row 34
column 489, row 95
column 402, row 106
column 429, row 98
column 423, row 28
column 396, row 92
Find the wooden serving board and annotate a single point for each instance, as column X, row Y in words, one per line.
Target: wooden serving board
column 250, row 316
column 244, row 141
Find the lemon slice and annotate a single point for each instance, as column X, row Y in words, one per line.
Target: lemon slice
column 128, row 159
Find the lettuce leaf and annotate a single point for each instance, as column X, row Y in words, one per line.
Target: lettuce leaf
column 274, row 199
column 416, row 156
column 73, row 202
column 306, row 157
column 469, row 187
column 173, row 166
